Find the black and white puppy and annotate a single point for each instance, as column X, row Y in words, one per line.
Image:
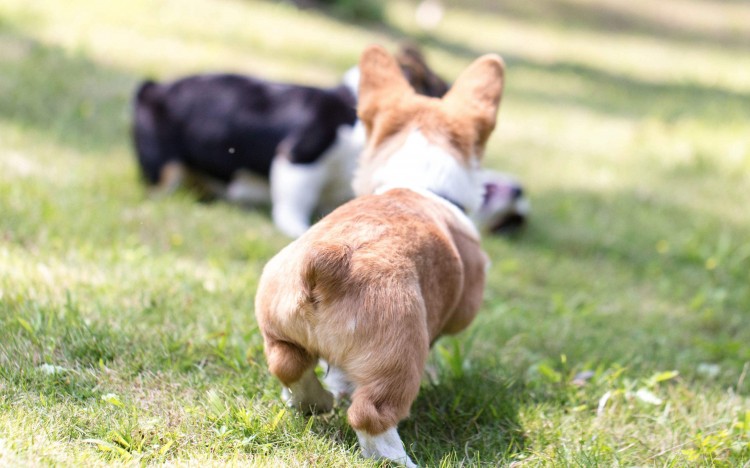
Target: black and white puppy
column 250, row 141
column 230, row 135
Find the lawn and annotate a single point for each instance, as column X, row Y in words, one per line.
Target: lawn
column 616, row 326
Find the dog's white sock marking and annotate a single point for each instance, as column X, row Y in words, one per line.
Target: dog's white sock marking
column 386, row 445
column 336, row 381
column 308, row 395
column 341, row 162
column 351, row 80
column 295, row 190
column 286, row 396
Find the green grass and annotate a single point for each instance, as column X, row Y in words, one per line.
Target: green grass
column 127, row 333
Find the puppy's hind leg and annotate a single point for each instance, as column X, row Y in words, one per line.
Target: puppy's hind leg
column 248, row 189
column 295, row 368
column 375, row 411
column 308, row 395
column 383, row 397
column 172, row 176
column 386, row 445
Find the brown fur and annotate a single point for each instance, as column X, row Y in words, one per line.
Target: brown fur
column 372, row 285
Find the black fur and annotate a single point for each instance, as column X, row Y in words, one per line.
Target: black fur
column 221, row 123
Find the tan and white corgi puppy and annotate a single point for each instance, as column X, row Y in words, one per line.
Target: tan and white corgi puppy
column 371, row 286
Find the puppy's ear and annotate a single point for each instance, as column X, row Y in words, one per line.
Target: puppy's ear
column 418, row 73
column 476, row 94
column 381, row 82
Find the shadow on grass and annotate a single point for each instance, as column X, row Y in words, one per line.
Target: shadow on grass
column 472, row 417
column 612, row 18
column 599, row 90
column 609, row 93
column 84, row 104
column 625, row 226
column 68, row 97
column 610, row 278
column 50, row 352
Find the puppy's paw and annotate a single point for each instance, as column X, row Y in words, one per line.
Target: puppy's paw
column 386, row 446
column 307, row 395
column 320, row 403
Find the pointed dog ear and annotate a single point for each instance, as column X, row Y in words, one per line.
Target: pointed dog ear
column 476, row 94
column 381, row 81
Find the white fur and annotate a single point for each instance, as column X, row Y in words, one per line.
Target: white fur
column 298, row 189
column 336, row 381
column 295, row 189
column 422, row 165
column 429, row 170
column 341, row 163
column 308, row 394
column 499, row 203
column 386, row 445
column 351, row 80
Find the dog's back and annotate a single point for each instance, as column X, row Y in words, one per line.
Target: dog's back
column 380, row 245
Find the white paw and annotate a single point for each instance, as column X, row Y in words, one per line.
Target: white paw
column 286, row 396
column 322, row 403
column 387, row 445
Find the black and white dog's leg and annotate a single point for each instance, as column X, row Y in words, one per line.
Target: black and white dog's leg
column 295, row 191
column 248, row 189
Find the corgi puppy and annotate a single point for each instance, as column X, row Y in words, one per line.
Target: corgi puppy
column 371, row 286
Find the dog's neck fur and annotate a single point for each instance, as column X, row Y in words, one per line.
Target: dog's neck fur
column 426, row 168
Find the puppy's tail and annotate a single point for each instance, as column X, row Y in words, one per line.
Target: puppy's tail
column 326, row 271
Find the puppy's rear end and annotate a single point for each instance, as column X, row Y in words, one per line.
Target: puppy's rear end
column 336, row 296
